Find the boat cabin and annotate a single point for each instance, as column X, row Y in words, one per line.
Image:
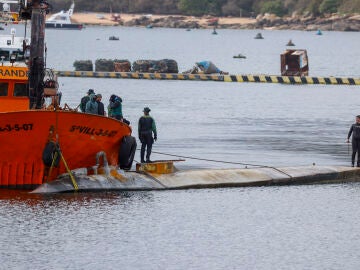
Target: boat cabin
column 14, row 94
column 13, row 89
column 294, row 63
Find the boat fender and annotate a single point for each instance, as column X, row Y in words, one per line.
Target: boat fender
column 49, row 153
column 127, row 152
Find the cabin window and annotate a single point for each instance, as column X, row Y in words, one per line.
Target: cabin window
column 4, row 55
column 19, row 55
column 4, row 89
column 20, row 90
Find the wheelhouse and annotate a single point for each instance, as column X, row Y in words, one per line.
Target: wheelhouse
column 14, row 95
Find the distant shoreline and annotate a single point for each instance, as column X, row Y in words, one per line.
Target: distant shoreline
column 105, row 18
column 329, row 23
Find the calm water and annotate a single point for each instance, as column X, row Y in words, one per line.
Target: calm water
column 300, row 227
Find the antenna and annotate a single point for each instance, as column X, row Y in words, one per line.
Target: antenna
column 71, row 10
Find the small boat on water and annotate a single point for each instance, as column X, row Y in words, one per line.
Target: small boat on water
column 62, row 20
column 39, row 138
column 259, row 36
column 290, row 43
column 239, row 56
column 318, row 32
column 113, row 38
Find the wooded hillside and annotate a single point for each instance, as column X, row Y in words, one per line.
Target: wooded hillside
column 213, row 7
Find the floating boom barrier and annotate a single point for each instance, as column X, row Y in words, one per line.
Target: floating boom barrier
column 212, row 77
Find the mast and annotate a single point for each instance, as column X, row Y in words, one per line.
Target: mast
column 37, row 62
column 36, row 10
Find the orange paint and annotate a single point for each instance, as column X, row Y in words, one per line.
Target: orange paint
column 13, row 73
column 23, row 136
column 11, row 105
column 10, row 77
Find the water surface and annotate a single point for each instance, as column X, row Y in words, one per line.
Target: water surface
column 297, row 227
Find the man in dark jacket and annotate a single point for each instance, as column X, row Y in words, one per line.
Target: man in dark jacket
column 101, row 110
column 355, row 131
column 146, row 128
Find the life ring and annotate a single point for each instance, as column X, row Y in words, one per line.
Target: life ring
column 49, row 153
column 127, row 152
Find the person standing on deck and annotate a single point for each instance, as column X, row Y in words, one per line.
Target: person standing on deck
column 91, row 105
column 85, row 99
column 146, row 128
column 101, row 109
column 115, row 107
column 355, row 131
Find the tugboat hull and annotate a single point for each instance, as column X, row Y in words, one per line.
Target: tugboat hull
column 24, row 135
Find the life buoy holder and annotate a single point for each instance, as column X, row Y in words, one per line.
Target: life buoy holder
column 51, row 155
column 127, row 152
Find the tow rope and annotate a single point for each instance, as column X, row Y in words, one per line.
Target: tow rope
column 225, row 162
column 76, row 187
column 59, row 152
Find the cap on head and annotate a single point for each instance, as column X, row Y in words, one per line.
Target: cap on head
column 91, row 91
column 358, row 116
column 146, row 109
column 99, row 95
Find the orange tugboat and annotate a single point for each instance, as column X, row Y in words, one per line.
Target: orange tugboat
column 39, row 139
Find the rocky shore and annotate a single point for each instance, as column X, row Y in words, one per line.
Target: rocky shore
column 268, row 21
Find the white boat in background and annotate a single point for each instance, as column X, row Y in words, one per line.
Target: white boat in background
column 62, row 20
column 14, row 50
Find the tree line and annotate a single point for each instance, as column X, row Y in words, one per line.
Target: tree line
column 237, row 8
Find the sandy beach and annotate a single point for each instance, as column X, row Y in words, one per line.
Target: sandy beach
column 333, row 22
column 105, row 19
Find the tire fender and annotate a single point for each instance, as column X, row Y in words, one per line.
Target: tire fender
column 127, row 152
column 49, row 153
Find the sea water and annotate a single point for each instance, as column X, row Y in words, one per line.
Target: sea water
column 296, row 227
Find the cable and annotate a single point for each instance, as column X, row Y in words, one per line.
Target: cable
column 225, row 162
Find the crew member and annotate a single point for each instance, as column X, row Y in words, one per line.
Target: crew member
column 85, row 99
column 101, row 110
column 115, row 107
column 355, row 131
column 91, row 105
column 146, row 129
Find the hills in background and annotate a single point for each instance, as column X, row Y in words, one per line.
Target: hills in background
column 239, row 8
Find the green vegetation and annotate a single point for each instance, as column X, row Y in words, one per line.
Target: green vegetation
column 196, row 8
column 213, row 7
column 329, row 6
column 274, row 7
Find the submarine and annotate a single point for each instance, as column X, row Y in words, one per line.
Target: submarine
column 163, row 175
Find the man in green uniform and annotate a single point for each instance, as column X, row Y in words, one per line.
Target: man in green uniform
column 146, row 128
